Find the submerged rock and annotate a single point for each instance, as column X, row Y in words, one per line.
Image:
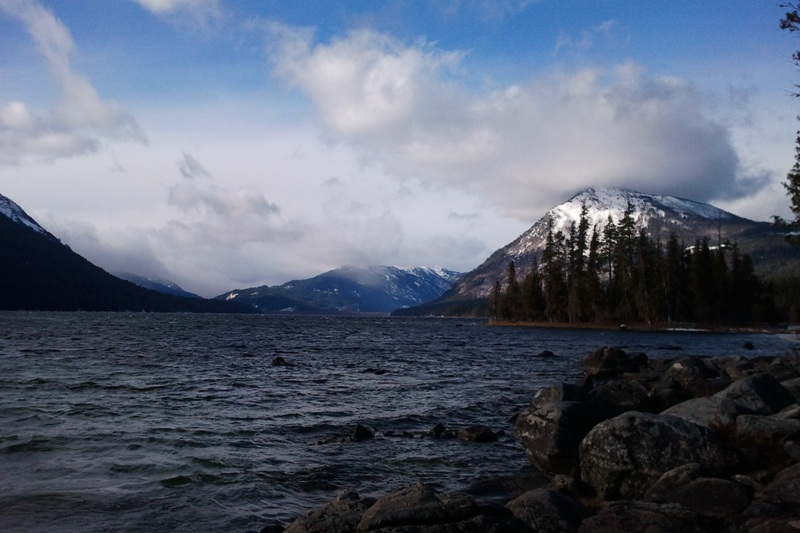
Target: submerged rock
column 477, row 434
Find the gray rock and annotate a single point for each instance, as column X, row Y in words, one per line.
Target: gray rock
column 754, row 430
column 713, row 412
column 734, row 366
column 672, row 480
column 622, row 457
column 421, row 508
column 785, row 487
column 760, row 394
column 713, row 497
column 552, row 432
column 342, row 515
column 558, row 392
column 477, row 433
column 612, row 361
column 696, row 375
column 546, row 511
column 627, row 394
column 793, row 386
column 631, row 516
column 363, row 432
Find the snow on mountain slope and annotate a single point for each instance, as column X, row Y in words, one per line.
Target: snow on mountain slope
column 658, row 215
column 373, row 289
column 17, row 214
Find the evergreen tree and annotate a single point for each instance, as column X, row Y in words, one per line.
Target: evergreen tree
column 792, row 183
column 496, row 300
column 700, row 283
column 624, row 292
column 533, row 304
column 791, row 22
column 513, row 295
column 673, row 279
column 554, row 274
column 594, row 290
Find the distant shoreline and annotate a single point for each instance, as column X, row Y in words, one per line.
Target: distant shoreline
column 662, row 328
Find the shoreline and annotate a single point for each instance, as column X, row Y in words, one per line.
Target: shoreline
column 791, row 331
column 637, row 444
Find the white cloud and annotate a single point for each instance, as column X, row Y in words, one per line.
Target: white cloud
column 80, row 121
column 199, row 13
column 524, row 147
column 492, row 10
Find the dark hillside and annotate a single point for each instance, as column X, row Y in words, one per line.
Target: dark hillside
column 37, row 272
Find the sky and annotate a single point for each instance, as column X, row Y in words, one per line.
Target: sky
column 226, row 144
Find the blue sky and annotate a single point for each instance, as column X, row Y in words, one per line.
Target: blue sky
column 225, row 144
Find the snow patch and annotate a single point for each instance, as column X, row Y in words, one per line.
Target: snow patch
column 14, row 212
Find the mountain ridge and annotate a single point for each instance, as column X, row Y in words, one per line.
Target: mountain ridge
column 351, row 289
column 38, row 272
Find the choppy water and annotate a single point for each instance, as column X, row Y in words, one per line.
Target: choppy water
column 175, row 422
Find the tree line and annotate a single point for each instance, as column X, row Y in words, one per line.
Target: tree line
column 619, row 274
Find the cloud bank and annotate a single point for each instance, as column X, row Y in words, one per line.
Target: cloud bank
column 81, row 120
column 521, row 147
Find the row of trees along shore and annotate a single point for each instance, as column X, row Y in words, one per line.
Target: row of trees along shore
column 621, row 275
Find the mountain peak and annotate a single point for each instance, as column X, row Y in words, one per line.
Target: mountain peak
column 11, row 210
column 658, row 215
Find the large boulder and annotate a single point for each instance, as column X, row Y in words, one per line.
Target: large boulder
column 643, row 516
column 697, row 375
column 552, row 432
column 558, row 392
column 713, row 497
column 777, row 507
column 626, row 394
column 420, row 508
column 714, row 412
column 342, row 515
column 761, row 394
column 611, row 361
column 546, row 511
column 622, row 457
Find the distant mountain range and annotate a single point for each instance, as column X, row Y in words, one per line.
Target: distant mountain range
column 350, row 289
column 658, row 215
column 38, row 272
column 157, row 284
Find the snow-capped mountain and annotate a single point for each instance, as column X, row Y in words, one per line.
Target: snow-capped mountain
column 11, row 210
column 659, row 216
column 373, row 289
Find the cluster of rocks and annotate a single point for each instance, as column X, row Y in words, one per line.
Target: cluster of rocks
column 638, row 444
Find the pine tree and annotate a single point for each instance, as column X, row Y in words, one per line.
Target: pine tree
column 513, row 295
column 533, row 304
column 554, row 273
column 791, row 23
column 792, row 183
column 673, row 279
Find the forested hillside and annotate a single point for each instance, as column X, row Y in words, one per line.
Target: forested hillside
column 623, row 275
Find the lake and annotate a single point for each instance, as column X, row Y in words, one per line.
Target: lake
column 180, row 422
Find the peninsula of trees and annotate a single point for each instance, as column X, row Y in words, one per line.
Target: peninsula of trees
column 616, row 274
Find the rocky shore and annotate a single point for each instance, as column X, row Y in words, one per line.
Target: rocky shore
column 688, row 444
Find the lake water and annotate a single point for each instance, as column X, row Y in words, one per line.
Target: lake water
column 179, row 422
